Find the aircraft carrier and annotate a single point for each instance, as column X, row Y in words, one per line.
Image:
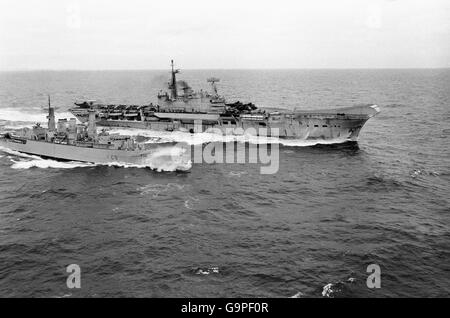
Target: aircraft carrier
column 183, row 109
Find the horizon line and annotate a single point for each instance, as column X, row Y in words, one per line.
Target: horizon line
column 218, row 69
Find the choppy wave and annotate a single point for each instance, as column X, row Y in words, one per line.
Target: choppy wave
column 237, row 173
column 157, row 189
column 395, row 105
column 298, row 295
column 338, row 289
column 190, row 202
column 206, row 270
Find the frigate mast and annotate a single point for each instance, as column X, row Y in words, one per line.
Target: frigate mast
column 51, row 116
column 173, row 84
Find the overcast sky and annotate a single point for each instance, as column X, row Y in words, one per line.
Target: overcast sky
column 146, row 34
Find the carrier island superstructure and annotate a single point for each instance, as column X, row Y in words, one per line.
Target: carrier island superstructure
column 67, row 140
column 182, row 109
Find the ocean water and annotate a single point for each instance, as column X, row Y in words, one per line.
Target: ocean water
column 226, row 230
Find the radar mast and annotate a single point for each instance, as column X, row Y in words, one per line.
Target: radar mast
column 173, row 83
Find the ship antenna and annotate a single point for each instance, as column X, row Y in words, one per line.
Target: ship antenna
column 51, row 116
column 173, row 85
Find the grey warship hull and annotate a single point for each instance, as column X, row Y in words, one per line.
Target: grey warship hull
column 67, row 140
column 77, row 153
column 331, row 124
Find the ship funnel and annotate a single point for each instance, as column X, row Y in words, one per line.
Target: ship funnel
column 92, row 127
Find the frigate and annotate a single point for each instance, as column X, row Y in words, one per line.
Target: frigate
column 183, row 109
column 67, row 140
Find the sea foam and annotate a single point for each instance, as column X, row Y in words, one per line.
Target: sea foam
column 210, row 137
column 166, row 159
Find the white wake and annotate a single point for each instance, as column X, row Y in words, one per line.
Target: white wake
column 207, row 137
column 166, row 159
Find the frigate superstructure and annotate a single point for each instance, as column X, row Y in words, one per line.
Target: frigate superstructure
column 67, row 140
column 183, row 109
